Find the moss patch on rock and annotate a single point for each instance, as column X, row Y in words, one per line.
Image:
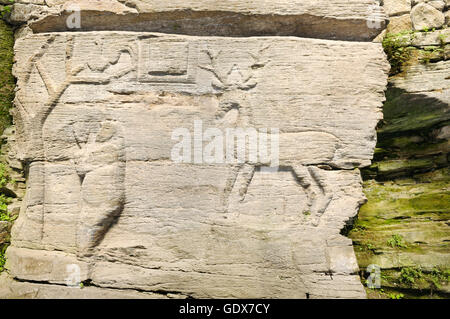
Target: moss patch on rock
column 7, row 82
column 411, row 47
column 404, row 226
column 7, row 85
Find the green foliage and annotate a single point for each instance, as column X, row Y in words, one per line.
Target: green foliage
column 4, row 175
column 416, row 277
column 2, row 257
column 408, row 275
column 397, row 50
column 4, row 200
column 367, row 246
column 395, row 296
column 4, row 214
column 360, row 226
column 442, row 39
column 433, row 53
column 7, row 85
column 381, row 293
column 397, row 241
column 7, row 82
column 438, row 276
column 6, row 10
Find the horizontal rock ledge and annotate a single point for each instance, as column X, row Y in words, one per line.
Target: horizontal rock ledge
column 352, row 20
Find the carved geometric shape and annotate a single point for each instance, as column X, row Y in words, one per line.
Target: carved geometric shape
column 166, row 61
column 169, row 59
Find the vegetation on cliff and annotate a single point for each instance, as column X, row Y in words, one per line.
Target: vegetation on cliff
column 404, row 226
column 409, row 47
column 7, row 85
column 7, row 82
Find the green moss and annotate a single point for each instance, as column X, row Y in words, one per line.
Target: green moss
column 401, row 52
column 397, row 241
column 403, row 227
column 397, row 50
column 393, row 295
column 399, row 199
column 417, row 278
column 7, row 85
column 7, row 82
column 5, row 8
column 4, row 199
column 403, row 165
column 415, row 207
column 4, row 214
column 412, row 283
column 4, row 175
column 2, row 257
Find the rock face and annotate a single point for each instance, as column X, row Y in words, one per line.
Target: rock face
column 403, row 228
column 12, row 289
column 100, row 117
column 426, row 16
column 346, row 20
column 397, row 7
column 4, row 231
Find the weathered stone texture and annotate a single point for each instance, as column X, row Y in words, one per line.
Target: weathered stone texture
column 399, row 24
column 95, row 116
column 103, row 191
column 347, row 20
column 12, row 289
column 426, row 16
column 403, row 228
column 408, row 193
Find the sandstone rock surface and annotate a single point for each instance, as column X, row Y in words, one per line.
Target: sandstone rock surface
column 396, row 7
column 346, row 20
column 95, row 117
column 408, row 192
column 425, row 16
column 12, row 289
column 4, row 231
column 399, row 24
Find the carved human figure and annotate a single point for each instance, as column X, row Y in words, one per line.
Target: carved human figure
column 32, row 117
column 100, row 164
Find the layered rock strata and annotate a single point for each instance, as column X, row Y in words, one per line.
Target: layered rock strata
column 98, row 115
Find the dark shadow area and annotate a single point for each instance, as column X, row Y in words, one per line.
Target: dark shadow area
column 408, row 138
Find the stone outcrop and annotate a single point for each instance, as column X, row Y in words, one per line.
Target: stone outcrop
column 426, row 16
column 6, row 96
column 95, row 118
column 13, row 289
column 403, row 228
column 404, row 225
column 345, row 20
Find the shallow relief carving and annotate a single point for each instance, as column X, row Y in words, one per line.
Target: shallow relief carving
column 102, row 187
